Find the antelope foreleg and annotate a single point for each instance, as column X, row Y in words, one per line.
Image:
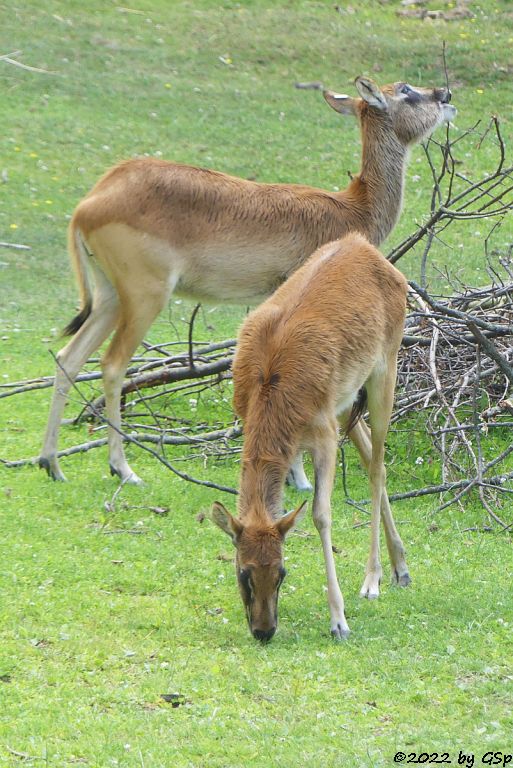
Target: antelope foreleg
column 324, row 456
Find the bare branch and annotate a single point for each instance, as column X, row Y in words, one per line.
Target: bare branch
column 7, row 58
column 491, row 350
column 15, row 246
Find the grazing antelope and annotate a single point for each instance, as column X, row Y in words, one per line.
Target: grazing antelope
column 151, row 227
column 302, row 358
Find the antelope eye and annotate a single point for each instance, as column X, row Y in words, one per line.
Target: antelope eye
column 405, row 88
column 282, row 573
column 244, row 575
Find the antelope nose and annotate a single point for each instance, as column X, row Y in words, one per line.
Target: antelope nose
column 264, row 635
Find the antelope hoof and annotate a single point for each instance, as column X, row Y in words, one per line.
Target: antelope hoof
column 51, row 466
column 301, row 483
column 401, row 578
column 340, row 632
column 370, row 588
column 128, row 477
column 134, row 479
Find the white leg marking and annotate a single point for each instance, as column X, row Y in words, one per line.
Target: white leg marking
column 296, row 475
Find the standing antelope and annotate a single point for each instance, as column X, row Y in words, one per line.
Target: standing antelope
column 333, row 328
column 150, row 227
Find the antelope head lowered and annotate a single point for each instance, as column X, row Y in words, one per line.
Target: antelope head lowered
column 151, row 227
column 303, row 357
column 258, row 562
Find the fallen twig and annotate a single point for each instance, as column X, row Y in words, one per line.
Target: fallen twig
column 7, row 58
column 15, row 246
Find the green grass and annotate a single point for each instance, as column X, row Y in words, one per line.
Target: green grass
column 101, row 613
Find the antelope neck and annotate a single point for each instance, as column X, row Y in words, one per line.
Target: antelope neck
column 380, row 182
column 261, row 490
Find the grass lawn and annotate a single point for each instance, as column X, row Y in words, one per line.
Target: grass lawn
column 122, row 637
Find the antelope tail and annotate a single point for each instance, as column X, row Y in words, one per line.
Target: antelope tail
column 358, row 409
column 78, row 255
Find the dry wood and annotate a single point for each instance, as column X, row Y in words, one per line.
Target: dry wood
column 15, row 246
column 7, row 57
column 455, row 365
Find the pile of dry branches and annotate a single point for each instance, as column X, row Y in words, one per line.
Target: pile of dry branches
column 456, row 361
column 455, row 368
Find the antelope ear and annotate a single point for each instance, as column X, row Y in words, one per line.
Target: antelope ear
column 340, row 102
column 288, row 521
column 370, row 92
column 225, row 521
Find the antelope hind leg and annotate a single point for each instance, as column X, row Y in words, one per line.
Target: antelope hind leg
column 360, row 437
